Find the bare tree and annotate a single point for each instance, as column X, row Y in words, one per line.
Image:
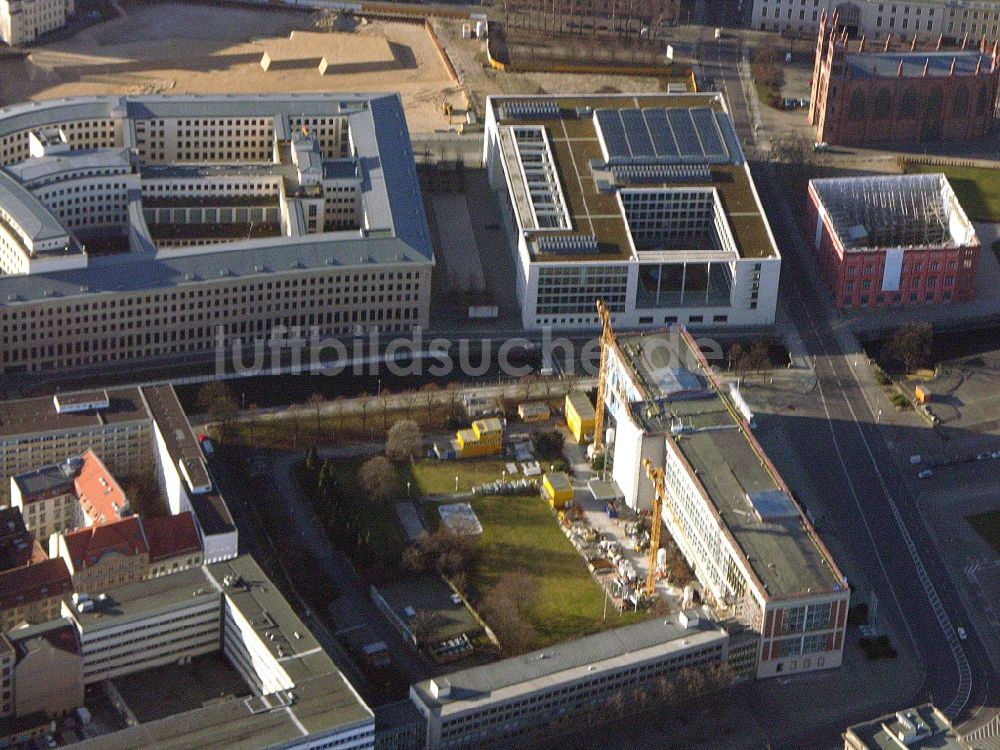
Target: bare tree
column 735, row 356
column 506, row 607
column 316, row 401
column 912, row 345
column 338, row 407
column 217, row 402
column 251, row 421
column 441, row 552
column 363, row 398
column 430, row 391
column 423, row 625
column 293, row 414
column 383, row 397
column 404, row 441
column 377, row 477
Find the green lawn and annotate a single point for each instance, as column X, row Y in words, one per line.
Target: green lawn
column 519, row 534
column 987, row 525
column 428, row 477
column 977, row 188
column 433, row 477
column 522, row 534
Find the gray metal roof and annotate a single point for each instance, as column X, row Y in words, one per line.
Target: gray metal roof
column 339, row 169
column 43, row 480
column 322, row 705
column 36, row 221
column 252, row 258
column 135, row 601
column 394, row 213
column 322, row 702
column 478, row 683
column 280, row 630
column 38, row 114
column 886, row 64
column 40, row 168
column 933, row 730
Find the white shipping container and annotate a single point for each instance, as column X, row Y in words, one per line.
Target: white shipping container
column 484, row 311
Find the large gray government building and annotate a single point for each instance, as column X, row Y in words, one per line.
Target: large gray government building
column 137, row 227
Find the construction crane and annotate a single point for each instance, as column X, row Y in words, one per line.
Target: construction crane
column 607, row 341
column 656, row 476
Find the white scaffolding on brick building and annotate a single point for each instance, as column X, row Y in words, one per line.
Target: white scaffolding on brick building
column 918, row 210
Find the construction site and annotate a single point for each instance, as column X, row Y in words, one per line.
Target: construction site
column 894, row 239
column 176, row 47
column 681, row 447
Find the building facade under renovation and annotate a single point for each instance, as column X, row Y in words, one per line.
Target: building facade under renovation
column 751, row 546
column 645, row 201
column 901, row 91
column 892, row 240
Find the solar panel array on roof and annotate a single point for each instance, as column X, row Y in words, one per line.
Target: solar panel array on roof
column 663, row 136
column 637, row 134
column 610, row 126
column 528, row 108
column 567, row 244
column 708, row 131
column 644, row 174
column 667, row 136
column 687, row 137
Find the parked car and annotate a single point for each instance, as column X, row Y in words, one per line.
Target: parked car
column 925, row 474
column 962, row 635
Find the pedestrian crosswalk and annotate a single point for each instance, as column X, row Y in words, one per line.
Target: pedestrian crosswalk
column 986, row 737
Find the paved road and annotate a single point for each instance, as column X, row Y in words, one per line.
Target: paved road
column 877, row 515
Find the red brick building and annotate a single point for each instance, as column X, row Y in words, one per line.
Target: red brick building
column 892, row 240
column 895, row 90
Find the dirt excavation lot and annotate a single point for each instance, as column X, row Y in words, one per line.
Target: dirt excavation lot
column 196, row 48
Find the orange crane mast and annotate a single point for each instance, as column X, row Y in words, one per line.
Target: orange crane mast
column 607, row 341
column 656, row 476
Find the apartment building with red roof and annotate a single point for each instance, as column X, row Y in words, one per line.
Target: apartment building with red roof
column 104, row 556
column 33, row 593
column 174, row 544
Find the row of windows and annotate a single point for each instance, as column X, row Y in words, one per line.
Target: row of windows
column 865, row 300
column 881, row 104
column 545, row 701
column 364, row 279
column 866, row 284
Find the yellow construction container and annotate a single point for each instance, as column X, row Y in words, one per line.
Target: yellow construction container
column 557, row 488
column 484, row 438
column 533, row 412
column 580, row 415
